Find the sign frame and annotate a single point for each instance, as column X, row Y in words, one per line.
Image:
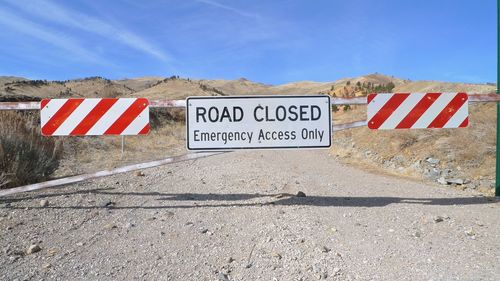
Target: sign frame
column 330, row 131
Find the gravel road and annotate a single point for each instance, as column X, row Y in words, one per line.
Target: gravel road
column 236, row 216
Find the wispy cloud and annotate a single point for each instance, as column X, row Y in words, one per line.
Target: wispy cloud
column 61, row 15
column 68, row 44
column 229, row 8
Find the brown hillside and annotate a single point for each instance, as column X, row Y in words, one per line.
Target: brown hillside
column 139, row 84
column 178, row 88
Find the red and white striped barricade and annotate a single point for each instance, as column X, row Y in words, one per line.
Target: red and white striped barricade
column 418, row 110
column 92, row 117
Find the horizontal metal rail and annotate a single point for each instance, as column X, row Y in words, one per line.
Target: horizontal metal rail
column 129, row 168
column 35, row 105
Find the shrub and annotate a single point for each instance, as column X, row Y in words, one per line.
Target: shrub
column 25, row 156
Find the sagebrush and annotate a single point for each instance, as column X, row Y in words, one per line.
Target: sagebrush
column 25, row 156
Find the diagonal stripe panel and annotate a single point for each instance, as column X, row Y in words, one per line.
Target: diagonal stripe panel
column 76, row 117
column 60, row 116
column 127, row 117
column 418, row 110
column 49, row 108
column 107, row 116
column 386, row 110
column 137, row 125
column 110, row 117
column 93, row 116
column 401, row 111
column 433, row 111
column 448, row 111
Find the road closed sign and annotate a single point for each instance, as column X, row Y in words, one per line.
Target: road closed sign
column 258, row 122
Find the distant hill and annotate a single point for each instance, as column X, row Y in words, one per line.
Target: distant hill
column 179, row 88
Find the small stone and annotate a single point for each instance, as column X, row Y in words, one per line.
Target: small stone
column 139, row 174
column 44, row 203
column 223, row 277
column 189, row 223
column 325, row 249
column 47, row 266
column 203, row 230
column 432, row 161
column 333, row 229
column 470, row 232
column 417, row 234
column 52, row 251
column 230, row 260
column 110, row 226
column 276, row 255
column 336, row 270
column 33, row 249
column 438, row 219
column 79, row 244
column 391, row 230
column 442, row 181
column 107, row 203
column 300, row 194
column 129, row 225
column 456, row 181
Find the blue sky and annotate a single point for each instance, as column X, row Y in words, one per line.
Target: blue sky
column 266, row 41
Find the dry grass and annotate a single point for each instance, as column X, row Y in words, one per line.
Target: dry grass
column 469, row 152
column 25, row 156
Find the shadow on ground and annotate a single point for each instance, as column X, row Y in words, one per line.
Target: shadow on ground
column 212, row 200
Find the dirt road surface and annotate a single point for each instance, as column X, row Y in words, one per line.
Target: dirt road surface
column 236, row 216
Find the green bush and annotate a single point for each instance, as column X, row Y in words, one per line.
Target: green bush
column 25, row 156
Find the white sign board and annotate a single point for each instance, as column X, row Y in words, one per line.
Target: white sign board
column 258, row 122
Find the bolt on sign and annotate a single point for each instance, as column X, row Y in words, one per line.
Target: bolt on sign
column 418, row 110
column 258, row 122
column 93, row 117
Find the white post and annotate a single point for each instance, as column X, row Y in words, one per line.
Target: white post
column 123, row 144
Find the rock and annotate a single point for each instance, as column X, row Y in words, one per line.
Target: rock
column 456, row 181
column 417, row 234
column 222, row 277
column 47, row 266
column 325, row 249
column 276, row 255
column 33, row 249
column 110, row 226
column 230, row 260
column 203, row 230
column 442, row 181
column 300, row 194
column 44, row 203
column 432, row 173
column 336, row 270
column 107, row 203
column 52, row 251
column 139, row 174
column 470, row 232
column 432, row 161
column 438, row 219
column 129, row 225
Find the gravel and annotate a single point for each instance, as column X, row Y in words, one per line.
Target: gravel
column 353, row 225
